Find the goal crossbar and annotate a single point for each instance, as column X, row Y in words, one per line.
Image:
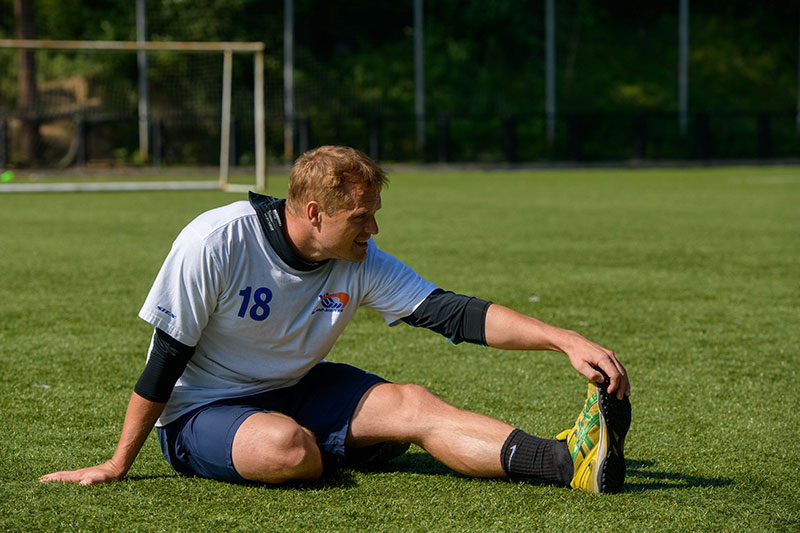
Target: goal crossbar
column 186, row 46
column 226, row 48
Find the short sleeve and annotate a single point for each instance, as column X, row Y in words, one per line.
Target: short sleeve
column 394, row 289
column 186, row 289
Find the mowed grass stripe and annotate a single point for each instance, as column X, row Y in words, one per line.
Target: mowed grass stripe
column 690, row 275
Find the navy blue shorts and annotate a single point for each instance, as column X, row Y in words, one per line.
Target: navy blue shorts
column 199, row 443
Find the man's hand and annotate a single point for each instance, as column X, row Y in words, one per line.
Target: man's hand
column 104, row 473
column 590, row 359
column 139, row 420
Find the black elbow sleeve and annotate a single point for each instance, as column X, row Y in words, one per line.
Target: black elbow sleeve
column 459, row 318
column 167, row 361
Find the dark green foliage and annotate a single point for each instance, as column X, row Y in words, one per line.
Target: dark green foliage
column 483, row 56
column 484, row 62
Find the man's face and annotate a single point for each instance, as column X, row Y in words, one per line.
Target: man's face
column 344, row 234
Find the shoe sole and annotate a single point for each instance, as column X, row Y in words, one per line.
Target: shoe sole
column 615, row 420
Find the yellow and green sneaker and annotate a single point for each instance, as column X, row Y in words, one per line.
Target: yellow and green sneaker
column 596, row 441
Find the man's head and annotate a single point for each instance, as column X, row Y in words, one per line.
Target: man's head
column 334, row 193
column 326, row 175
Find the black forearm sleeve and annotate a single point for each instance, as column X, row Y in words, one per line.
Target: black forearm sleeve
column 459, row 318
column 167, row 361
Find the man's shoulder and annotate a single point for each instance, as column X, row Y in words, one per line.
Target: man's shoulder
column 212, row 221
column 378, row 259
column 376, row 253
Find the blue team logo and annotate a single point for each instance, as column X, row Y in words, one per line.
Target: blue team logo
column 333, row 302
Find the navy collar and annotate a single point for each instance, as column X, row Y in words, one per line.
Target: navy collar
column 270, row 214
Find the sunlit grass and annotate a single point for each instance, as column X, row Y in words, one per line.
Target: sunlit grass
column 691, row 276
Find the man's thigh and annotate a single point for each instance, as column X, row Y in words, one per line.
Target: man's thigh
column 200, row 443
column 325, row 403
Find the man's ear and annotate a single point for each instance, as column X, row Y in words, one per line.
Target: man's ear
column 314, row 213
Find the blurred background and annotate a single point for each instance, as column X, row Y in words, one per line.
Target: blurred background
column 436, row 81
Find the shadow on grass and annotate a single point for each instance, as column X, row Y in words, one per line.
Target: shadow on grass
column 643, row 475
column 338, row 478
column 412, row 463
column 149, row 477
column 640, row 475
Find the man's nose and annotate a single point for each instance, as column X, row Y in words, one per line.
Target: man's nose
column 372, row 226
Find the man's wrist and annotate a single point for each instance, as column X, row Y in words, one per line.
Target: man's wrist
column 116, row 469
column 564, row 340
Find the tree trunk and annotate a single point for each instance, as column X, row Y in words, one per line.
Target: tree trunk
column 26, row 82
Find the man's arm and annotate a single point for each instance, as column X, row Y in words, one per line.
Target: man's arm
column 140, row 418
column 166, row 362
column 510, row 330
column 461, row 318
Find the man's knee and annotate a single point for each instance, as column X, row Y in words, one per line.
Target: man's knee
column 413, row 400
column 397, row 412
column 273, row 448
column 295, row 451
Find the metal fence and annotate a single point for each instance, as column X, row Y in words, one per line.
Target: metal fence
column 585, row 137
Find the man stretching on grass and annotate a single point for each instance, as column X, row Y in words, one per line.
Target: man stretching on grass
column 252, row 297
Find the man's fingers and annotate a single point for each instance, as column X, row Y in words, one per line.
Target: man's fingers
column 55, row 476
column 591, row 373
column 618, row 377
column 597, row 364
column 624, row 387
column 83, row 477
column 60, row 476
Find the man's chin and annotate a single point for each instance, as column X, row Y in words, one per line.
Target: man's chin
column 360, row 251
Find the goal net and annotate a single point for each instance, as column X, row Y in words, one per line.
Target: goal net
column 144, row 110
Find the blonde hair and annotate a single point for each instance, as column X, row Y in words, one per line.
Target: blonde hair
column 323, row 175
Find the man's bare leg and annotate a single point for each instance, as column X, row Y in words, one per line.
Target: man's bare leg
column 273, row 448
column 467, row 442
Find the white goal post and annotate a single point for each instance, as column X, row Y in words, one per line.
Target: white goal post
column 227, row 49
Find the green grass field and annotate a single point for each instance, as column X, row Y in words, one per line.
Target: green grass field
column 691, row 275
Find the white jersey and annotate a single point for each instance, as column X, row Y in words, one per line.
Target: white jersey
column 257, row 323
